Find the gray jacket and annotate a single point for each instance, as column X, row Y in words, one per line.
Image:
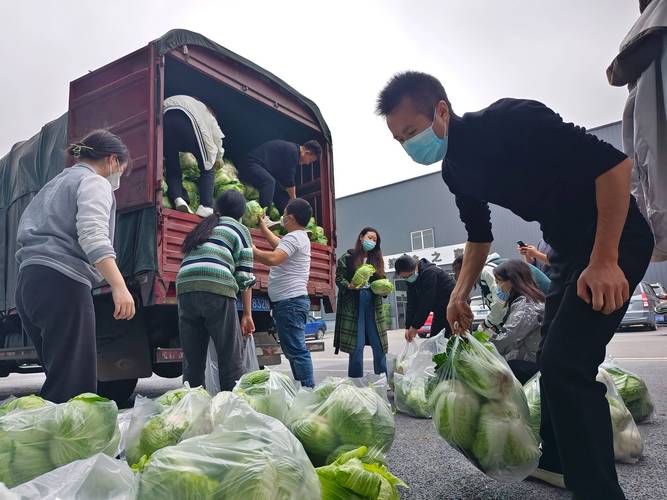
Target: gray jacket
column 69, row 225
column 519, row 336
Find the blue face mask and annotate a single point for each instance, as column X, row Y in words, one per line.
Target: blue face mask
column 368, row 245
column 502, row 295
column 412, row 278
column 426, row 147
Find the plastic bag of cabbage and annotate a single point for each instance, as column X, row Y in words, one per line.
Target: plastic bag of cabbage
column 98, row 477
column 174, row 416
column 399, row 364
column 632, row 389
column 247, row 456
column 342, row 413
column 268, row 392
column 628, row 447
column 39, row 439
column 480, row 409
column 359, row 474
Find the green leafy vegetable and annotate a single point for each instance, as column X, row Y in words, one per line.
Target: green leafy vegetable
column 268, row 392
column 189, row 167
column 253, row 212
column 382, row 287
column 362, row 275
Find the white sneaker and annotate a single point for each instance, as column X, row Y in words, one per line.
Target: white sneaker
column 181, row 206
column 203, row 211
column 552, row 478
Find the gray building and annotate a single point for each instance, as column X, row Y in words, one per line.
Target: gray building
column 418, row 216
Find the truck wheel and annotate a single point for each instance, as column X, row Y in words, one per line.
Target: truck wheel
column 168, row 370
column 117, row 390
column 320, row 334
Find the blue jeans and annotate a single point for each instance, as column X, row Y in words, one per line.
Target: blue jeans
column 367, row 331
column 290, row 316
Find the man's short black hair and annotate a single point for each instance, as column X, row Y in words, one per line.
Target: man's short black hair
column 314, row 147
column 424, row 90
column 405, row 264
column 301, row 210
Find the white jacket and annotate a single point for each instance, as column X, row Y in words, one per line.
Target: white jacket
column 497, row 307
column 642, row 64
column 207, row 130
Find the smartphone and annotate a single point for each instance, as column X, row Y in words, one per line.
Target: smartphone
column 521, row 244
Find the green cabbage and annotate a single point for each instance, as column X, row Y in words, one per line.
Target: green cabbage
column 193, row 193
column 356, row 475
column 456, row 413
column 633, row 391
column 23, row 403
column 316, row 435
column 362, row 275
column 274, row 214
column 253, row 213
column 268, row 392
column 382, row 287
column 410, row 394
column 250, row 193
column 485, row 373
column 189, row 167
column 532, row 392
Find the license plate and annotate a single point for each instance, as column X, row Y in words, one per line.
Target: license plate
column 169, row 355
column 660, row 318
column 258, row 304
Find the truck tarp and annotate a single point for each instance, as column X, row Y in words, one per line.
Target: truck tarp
column 31, row 164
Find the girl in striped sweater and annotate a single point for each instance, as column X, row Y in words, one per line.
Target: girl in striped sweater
column 217, row 265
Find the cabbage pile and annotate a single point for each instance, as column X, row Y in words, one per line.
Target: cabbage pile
column 44, row 436
column 632, row 390
column 253, row 213
column 362, row 275
column 339, row 414
column 480, row 409
column 382, row 287
column 174, row 416
column 268, row 392
column 358, row 474
column 247, row 456
column 316, row 232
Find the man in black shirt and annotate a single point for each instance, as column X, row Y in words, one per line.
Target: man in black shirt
column 429, row 288
column 519, row 154
column 271, row 169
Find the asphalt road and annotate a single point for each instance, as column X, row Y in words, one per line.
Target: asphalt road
column 436, row 471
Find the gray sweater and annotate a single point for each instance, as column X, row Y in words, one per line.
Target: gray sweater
column 69, row 225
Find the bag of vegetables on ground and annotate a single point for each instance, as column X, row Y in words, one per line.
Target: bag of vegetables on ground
column 480, row 409
column 37, row 436
column 167, row 420
column 267, row 391
column 410, row 387
column 632, row 389
column 399, row 364
column 247, row 456
column 342, row 414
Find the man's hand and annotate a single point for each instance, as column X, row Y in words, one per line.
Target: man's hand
column 528, row 251
column 604, row 286
column 247, row 325
column 123, row 302
column 459, row 315
column 351, row 286
column 410, row 334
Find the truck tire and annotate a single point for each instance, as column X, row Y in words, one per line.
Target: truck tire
column 168, row 370
column 117, row 390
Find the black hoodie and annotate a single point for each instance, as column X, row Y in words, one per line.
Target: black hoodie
column 429, row 293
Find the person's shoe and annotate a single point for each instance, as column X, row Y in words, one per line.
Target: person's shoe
column 548, row 476
column 203, row 211
column 182, row 206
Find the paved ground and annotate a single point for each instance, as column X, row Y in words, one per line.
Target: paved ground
column 435, row 471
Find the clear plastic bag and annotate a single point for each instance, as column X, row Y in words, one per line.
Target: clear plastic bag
column 36, row 441
column 632, row 389
column 247, row 456
column 99, row 477
column 398, row 364
column 480, row 409
column 268, row 391
column 628, row 447
column 342, row 414
column 212, row 375
column 176, row 415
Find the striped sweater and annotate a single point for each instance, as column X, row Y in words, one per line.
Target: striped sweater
column 223, row 265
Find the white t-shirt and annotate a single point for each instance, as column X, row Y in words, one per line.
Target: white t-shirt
column 290, row 279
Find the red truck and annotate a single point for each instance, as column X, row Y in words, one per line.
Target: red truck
column 126, row 96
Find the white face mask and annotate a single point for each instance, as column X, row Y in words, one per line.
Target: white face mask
column 114, row 178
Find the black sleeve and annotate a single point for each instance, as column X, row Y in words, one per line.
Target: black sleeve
column 290, row 162
column 410, row 308
column 476, row 217
column 428, row 291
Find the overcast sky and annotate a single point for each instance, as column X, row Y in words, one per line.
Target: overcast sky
column 337, row 53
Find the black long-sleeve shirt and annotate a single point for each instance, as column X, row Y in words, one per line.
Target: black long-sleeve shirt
column 280, row 158
column 430, row 292
column 519, row 154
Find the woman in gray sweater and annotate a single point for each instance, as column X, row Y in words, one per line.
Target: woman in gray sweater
column 65, row 247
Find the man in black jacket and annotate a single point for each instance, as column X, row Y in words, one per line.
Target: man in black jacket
column 429, row 288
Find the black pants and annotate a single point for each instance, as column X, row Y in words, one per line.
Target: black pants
column 576, row 426
column 58, row 315
column 179, row 136
column 440, row 322
column 202, row 315
column 523, row 370
column 256, row 175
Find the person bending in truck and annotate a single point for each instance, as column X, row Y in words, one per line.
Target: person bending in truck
column 429, row 289
column 191, row 127
column 289, row 260
column 218, row 264
column 271, row 169
column 65, row 247
column 521, row 155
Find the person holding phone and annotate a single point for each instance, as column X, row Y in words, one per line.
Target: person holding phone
column 537, row 256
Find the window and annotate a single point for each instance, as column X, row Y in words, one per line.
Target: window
column 422, row 239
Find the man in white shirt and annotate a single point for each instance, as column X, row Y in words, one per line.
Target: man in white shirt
column 288, row 285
